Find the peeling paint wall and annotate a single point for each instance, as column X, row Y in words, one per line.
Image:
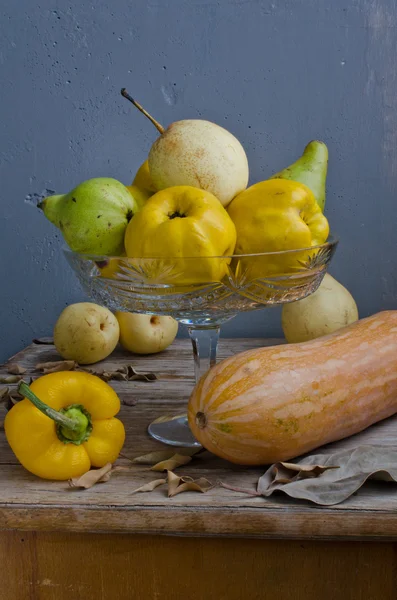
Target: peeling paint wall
column 277, row 74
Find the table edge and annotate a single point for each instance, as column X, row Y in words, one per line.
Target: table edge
column 280, row 523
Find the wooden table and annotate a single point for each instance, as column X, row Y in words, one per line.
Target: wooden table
column 58, row 543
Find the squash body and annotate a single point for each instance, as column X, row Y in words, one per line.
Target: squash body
column 276, row 403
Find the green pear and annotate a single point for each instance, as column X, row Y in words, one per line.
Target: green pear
column 93, row 216
column 310, row 169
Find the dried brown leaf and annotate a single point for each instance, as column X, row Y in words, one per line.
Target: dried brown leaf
column 166, row 418
column 234, row 488
column 177, row 460
column 177, row 485
column 284, row 473
column 128, row 401
column 137, row 376
column 56, row 366
column 15, row 369
column 92, row 477
column 124, row 373
column 44, row 341
column 155, row 457
column 328, row 479
column 4, row 391
column 307, row 470
column 10, row 396
column 149, row 487
column 113, row 376
column 10, row 379
column 121, row 468
column 13, row 397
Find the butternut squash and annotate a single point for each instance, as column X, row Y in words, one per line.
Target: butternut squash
column 276, row 403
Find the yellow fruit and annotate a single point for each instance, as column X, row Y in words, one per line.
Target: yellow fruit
column 142, row 179
column 330, row 308
column 146, row 334
column 185, row 224
column 86, row 332
column 202, row 154
column 139, row 195
column 109, row 268
column 276, row 215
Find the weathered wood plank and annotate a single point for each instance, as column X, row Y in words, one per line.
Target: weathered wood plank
column 48, row 566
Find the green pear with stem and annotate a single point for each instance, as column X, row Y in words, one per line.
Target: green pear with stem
column 93, row 217
column 310, row 169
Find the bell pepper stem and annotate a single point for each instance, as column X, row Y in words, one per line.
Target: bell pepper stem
column 53, row 414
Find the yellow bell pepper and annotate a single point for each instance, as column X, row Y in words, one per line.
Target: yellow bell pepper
column 184, row 226
column 65, row 425
column 276, row 215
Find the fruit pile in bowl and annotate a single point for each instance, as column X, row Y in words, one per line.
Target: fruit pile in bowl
column 188, row 219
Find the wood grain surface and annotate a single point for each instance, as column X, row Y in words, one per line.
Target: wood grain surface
column 54, row 566
column 28, row 503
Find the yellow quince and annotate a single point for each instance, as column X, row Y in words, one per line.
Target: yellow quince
column 187, row 231
column 272, row 216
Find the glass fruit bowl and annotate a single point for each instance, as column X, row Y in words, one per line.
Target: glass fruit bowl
column 201, row 293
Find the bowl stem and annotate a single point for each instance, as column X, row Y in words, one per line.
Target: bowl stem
column 205, row 343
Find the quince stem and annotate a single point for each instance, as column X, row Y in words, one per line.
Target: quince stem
column 158, row 126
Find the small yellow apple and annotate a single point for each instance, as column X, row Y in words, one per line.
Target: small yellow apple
column 146, row 334
column 86, row 332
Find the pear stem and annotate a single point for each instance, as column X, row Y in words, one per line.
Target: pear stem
column 157, row 125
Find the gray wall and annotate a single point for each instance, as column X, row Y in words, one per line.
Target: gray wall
column 276, row 73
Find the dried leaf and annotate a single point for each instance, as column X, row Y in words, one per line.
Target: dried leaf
column 92, row 477
column 287, row 472
column 161, row 455
column 128, row 401
column 328, row 479
column 239, row 489
column 11, row 396
column 10, row 379
column 309, row 469
column 177, row 485
column 136, row 376
column 44, row 341
column 56, row 365
column 121, row 468
column 4, row 391
column 124, row 373
column 167, row 418
column 149, row 487
column 112, row 376
column 177, row 460
column 16, row 369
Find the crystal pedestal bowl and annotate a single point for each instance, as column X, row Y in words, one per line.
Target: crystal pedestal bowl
column 202, row 294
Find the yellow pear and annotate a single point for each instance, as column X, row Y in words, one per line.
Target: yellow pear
column 146, row 334
column 86, row 332
column 328, row 309
column 197, row 153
